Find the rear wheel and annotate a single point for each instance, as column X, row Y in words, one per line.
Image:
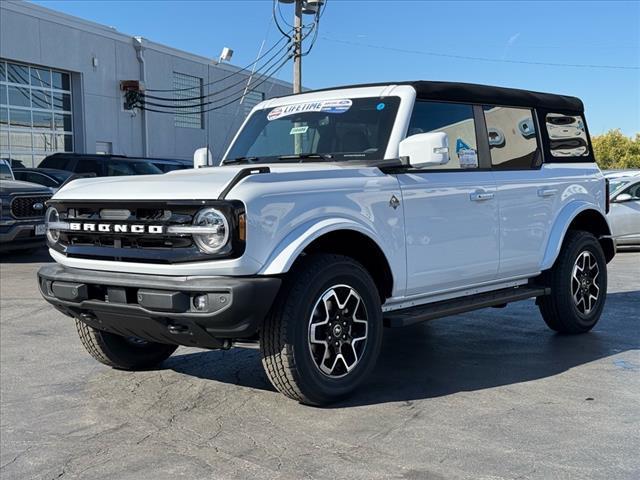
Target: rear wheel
column 323, row 335
column 125, row 353
column 578, row 282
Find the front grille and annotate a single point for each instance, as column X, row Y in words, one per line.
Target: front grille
column 23, row 207
column 139, row 247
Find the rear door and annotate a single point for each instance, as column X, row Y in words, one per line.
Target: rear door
column 527, row 195
column 451, row 213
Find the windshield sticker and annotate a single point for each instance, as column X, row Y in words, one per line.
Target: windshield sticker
column 298, row 130
column 380, row 106
column 327, row 106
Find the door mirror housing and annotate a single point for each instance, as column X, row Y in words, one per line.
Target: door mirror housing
column 202, row 158
column 623, row 197
column 426, row 149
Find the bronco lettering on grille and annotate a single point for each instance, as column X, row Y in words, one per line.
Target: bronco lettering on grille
column 115, row 228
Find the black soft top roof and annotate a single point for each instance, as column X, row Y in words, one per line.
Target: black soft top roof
column 483, row 94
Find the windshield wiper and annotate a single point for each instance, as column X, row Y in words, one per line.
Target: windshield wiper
column 307, row 156
column 240, row 160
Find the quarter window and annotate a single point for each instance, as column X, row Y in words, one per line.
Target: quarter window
column 567, row 135
column 513, row 141
column 454, row 119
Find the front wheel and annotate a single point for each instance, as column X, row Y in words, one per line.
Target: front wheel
column 323, row 336
column 578, row 282
column 121, row 352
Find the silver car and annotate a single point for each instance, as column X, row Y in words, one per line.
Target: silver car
column 624, row 215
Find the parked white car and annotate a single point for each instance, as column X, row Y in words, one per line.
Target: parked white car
column 624, row 216
column 335, row 213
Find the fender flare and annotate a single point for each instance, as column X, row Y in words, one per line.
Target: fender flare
column 291, row 246
column 560, row 227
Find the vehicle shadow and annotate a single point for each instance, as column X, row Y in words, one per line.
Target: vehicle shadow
column 41, row 255
column 475, row 351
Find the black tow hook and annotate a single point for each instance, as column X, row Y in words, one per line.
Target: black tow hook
column 177, row 329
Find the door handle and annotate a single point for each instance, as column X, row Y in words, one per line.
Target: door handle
column 547, row 192
column 480, row 196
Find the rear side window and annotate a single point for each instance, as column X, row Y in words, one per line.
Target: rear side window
column 59, row 163
column 513, row 142
column 567, row 135
column 87, row 165
column 454, row 119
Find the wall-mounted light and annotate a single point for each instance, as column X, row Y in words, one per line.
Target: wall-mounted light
column 226, row 55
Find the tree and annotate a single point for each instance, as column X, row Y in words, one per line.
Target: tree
column 615, row 150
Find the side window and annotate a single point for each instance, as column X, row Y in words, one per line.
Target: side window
column 87, row 165
column 115, row 169
column 513, row 142
column 634, row 191
column 60, row 163
column 454, row 119
column 567, row 135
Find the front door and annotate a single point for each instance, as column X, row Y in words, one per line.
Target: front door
column 451, row 211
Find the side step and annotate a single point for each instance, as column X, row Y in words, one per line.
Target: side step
column 445, row 308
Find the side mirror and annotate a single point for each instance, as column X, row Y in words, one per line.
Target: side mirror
column 623, row 197
column 202, row 158
column 426, row 149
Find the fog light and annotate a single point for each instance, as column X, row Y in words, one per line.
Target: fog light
column 201, row 302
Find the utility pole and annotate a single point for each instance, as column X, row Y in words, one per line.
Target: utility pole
column 297, row 48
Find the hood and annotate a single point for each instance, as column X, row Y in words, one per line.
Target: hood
column 7, row 187
column 191, row 184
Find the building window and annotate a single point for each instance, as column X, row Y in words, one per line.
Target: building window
column 189, row 113
column 35, row 113
column 250, row 100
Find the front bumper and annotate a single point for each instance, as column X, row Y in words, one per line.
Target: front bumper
column 20, row 235
column 161, row 309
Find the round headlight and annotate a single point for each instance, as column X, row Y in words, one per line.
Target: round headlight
column 211, row 242
column 52, row 217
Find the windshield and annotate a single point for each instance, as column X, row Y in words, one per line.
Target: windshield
column 343, row 128
column 119, row 167
column 60, row 176
column 5, row 171
column 615, row 185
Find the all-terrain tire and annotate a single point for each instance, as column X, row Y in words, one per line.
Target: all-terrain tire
column 286, row 346
column 560, row 310
column 122, row 353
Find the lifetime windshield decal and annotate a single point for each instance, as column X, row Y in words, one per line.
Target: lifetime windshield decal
column 326, row 106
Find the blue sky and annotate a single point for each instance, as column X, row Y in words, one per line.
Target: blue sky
column 415, row 36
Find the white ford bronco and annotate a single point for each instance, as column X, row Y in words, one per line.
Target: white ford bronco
column 333, row 214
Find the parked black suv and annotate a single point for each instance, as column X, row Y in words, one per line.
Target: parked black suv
column 111, row 165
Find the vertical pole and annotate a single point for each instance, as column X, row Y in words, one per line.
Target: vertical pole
column 207, row 119
column 297, row 49
column 297, row 67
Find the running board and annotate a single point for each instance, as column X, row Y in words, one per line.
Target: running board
column 445, row 308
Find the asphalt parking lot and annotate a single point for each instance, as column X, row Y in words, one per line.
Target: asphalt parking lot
column 486, row 395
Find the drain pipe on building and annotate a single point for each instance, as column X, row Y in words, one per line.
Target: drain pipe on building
column 137, row 43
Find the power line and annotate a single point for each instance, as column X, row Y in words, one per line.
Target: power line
column 243, row 69
column 480, row 59
column 143, row 106
column 258, row 71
